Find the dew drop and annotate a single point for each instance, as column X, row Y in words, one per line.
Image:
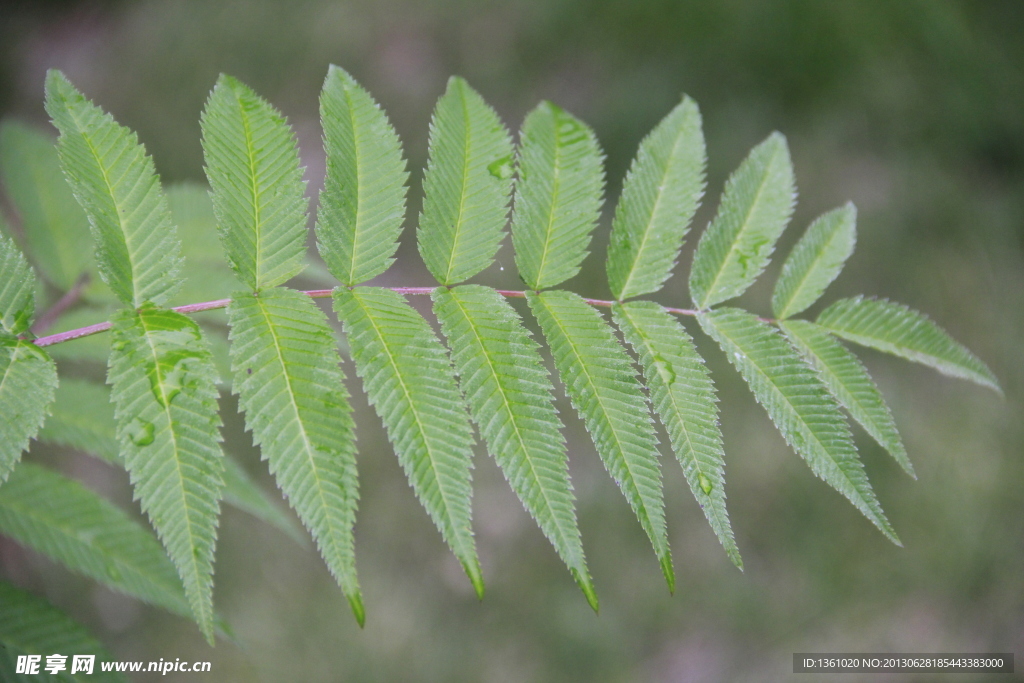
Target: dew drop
column 113, row 573
column 668, row 375
column 140, row 432
column 502, row 168
column 118, row 345
column 705, row 484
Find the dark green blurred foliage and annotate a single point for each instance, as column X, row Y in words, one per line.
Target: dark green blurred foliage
column 913, row 110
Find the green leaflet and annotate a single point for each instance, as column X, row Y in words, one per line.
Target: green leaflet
column 850, row 384
column 252, row 163
column 510, row 398
column 684, row 399
column 466, row 185
column 70, row 524
column 165, row 398
column 601, row 383
column 660, row 194
column 30, row 625
column 17, row 290
column 755, row 208
column 286, row 375
column 362, row 204
column 82, row 417
column 55, row 228
column 558, row 195
column 815, row 261
column 28, row 378
column 408, row 379
column 798, row 403
column 901, row 331
column 137, row 250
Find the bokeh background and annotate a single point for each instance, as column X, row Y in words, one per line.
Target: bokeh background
column 913, row 110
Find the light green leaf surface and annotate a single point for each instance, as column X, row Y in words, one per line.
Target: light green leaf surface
column 362, row 205
column 755, row 208
column 31, row 626
column 56, row 229
column 602, row 385
column 815, row 261
column 165, row 398
column 798, row 403
column 17, row 290
column 558, row 195
column 901, row 331
column 252, row 163
column 409, row 380
column 466, row 185
column 82, row 418
column 848, row 381
column 74, row 526
column 660, row 194
column 286, row 375
column 28, row 378
column 684, row 399
column 510, row 398
column 137, row 249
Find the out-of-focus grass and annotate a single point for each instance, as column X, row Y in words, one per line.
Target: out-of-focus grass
column 912, row 110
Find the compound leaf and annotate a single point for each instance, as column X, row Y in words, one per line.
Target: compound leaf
column 409, row 380
column 285, row 365
column 798, row 403
column 848, row 381
column 362, row 204
column 602, row 385
column 252, row 163
column 466, row 185
column 30, row 625
column 815, row 261
column 756, row 205
column 55, row 228
column 74, row 526
column 116, row 183
column 685, row 401
column 510, row 398
column 165, row 398
column 17, row 290
column 660, row 194
column 558, row 195
column 28, row 379
column 901, row 331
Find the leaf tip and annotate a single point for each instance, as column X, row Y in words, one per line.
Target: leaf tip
column 666, row 569
column 355, row 601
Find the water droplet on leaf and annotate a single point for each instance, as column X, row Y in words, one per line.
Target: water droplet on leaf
column 502, row 168
column 705, row 484
column 140, row 432
column 668, row 375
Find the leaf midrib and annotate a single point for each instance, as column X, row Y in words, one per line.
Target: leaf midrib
column 457, row 537
column 807, row 427
column 460, row 216
column 515, row 423
column 166, row 407
column 624, row 291
column 250, row 155
column 556, row 187
column 785, row 313
column 604, row 412
column 113, row 197
column 307, row 444
column 710, row 292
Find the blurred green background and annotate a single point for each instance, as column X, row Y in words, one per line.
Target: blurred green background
column 913, row 110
